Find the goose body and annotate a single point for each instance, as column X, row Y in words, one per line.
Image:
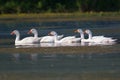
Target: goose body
column 49, row 39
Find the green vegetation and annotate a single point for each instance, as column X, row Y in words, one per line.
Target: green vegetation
column 47, row 10
column 81, row 16
column 58, row 6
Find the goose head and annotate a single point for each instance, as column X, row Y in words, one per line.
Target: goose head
column 87, row 31
column 15, row 32
column 33, row 31
column 78, row 31
column 53, row 33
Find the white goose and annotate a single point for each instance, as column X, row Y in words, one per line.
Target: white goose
column 24, row 41
column 68, row 39
column 98, row 39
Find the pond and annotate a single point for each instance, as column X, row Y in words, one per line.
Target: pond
column 39, row 62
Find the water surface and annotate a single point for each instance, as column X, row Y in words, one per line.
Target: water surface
column 84, row 62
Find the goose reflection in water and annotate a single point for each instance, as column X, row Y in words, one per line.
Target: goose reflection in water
column 27, row 46
column 31, row 57
column 47, row 45
column 16, row 56
column 34, row 57
column 75, row 44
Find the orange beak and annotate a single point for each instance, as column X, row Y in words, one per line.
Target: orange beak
column 12, row 33
column 84, row 32
column 29, row 32
column 50, row 34
column 75, row 31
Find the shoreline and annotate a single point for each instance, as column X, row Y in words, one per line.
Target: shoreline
column 62, row 50
column 109, row 16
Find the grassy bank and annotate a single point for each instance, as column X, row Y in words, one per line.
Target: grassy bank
column 62, row 16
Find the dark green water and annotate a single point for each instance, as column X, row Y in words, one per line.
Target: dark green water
column 59, row 66
column 38, row 66
column 44, row 63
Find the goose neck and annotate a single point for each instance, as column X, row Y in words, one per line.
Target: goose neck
column 17, row 36
column 81, row 35
column 90, row 35
column 55, row 38
column 35, row 34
